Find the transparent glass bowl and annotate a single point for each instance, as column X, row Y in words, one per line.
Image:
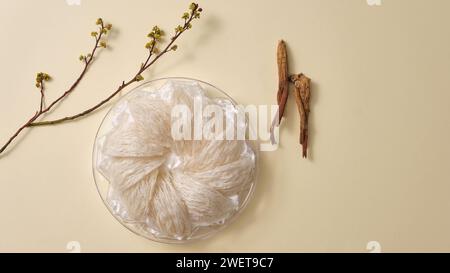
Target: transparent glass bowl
column 103, row 185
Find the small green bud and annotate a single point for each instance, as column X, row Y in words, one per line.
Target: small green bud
column 156, row 33
column 103, row 44
column 179, row 29
column 40, row 77
column 185, row 16
column 82, row 57
column 99, row 21
column 174, row 48
column 148, row 45
column 193, row 6
column 94, row 33
column 109, row 26
column 104, row 31
column 139, row 78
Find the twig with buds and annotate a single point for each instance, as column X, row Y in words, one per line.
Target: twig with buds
column 154, row 54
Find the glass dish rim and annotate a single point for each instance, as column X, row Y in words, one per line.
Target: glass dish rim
column 233, row 218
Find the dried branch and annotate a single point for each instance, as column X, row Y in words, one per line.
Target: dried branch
column 302, row 97
column 302, row 94
column 283, row 79
column 283, row 86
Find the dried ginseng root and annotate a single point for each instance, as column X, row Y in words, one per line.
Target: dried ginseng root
column 302, row 97
column 283, row 85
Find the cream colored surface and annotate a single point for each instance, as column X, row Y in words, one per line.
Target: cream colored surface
column 380, row 122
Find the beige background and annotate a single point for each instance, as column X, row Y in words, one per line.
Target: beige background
column 380, row 123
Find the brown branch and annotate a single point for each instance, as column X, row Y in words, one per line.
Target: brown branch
column 40, row 83
column 302, row 94
column 95, row 107
column 283, row 86
column 302, row 98
column 147, row 64
column 32, row 122
column 41, row 106
column 16, row 134
column 87, row 61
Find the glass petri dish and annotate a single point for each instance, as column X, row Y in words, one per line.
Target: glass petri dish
column 145, row 227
